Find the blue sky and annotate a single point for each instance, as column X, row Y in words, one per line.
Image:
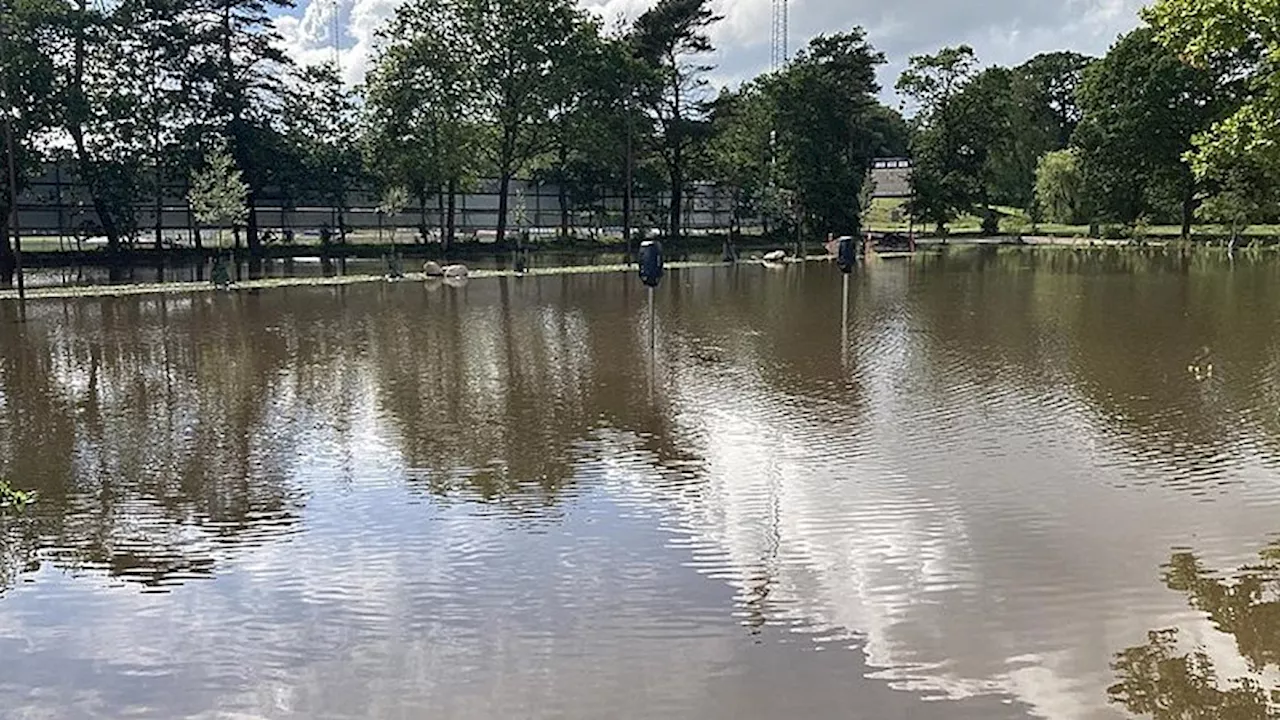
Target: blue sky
column 1002, row 31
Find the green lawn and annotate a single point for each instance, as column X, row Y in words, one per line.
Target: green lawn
column 882, row 219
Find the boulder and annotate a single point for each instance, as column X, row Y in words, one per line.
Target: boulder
column 455, row 271
column 775, row 256
column 431, row 268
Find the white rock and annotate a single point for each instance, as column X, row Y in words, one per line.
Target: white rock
column 431, row 268
column 455, row 271
column 775, row 256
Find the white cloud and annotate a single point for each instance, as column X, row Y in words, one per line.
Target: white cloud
column 1002, row 31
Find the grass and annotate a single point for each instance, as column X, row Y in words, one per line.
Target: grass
column 883, row 210
column 171, row 288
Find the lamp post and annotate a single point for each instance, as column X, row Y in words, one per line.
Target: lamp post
column 651, row 272
column 846, row 258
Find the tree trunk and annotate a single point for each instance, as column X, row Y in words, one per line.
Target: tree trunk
column 422, row 215
column 159, row 216
column 77, row 107
column 90, row 177
column 1188, row 212
column 450, row 225
column 8, row 262
column 444, row 242
column 251, row 227
column 504, row 184
column 564, row 212
column 677, row 199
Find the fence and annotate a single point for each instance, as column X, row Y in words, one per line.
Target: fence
column 56, row 203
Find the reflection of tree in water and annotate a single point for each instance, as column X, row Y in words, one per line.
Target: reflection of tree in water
column 1155, row 679
column 1117, row 328
column 491, row 390
column 160, row 432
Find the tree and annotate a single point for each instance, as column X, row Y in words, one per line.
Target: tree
column 740, row 151
column 1142, row 106
column 1059, row 181
column 931, row 81
column 949, row 148
column 1049, row 85
column 826, row 109
column 1237, row 197
column 671, row 39
column 235, row 64
column 26, row 83
column 219, row 195
column 522, row 49
column 393, row 203
column 320, row 124
column 588, row 124
column 1168, row 681
column 420, row 105
column 94, row 109
column 1238, row 39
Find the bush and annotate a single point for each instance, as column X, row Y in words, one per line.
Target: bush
column 1114, row 231
column 1013, row 225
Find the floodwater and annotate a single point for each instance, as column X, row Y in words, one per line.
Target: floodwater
column 1019, row 484
column 170, row 270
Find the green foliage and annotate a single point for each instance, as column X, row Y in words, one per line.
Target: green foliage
column 931, row 81
column 1049, row 88
column 670, row 40
column 218, row 192
column 1238, row 39
column 740, row 152
column 825, row 106
column 16, row 499
column 1142, row 106
column 1060, row 186
column 422, row 100
column 803, row 137
column 1015, row 225
column 320, row 128
column 866, row 198
column 394, row 200
column 953, row 135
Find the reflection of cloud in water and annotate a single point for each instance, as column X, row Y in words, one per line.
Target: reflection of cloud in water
column 983, row 538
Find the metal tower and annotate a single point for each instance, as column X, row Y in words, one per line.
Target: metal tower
column 779, row 56
column 335, row 36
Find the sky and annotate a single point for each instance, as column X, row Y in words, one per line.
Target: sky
column 1003, row 32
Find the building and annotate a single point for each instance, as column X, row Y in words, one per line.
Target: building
column 892, row 177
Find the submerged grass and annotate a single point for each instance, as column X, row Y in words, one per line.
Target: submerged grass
column 272, row 283
column 925, row 247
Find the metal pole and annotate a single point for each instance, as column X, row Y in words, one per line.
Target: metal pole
column 844, row 321
column 628, row 200
column 13, row 196
column 653, row 327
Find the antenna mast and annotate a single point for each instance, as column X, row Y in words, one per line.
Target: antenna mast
column 779, row 55
column 335, row 38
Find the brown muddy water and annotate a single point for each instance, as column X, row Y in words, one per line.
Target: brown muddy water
column 1030, row 484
